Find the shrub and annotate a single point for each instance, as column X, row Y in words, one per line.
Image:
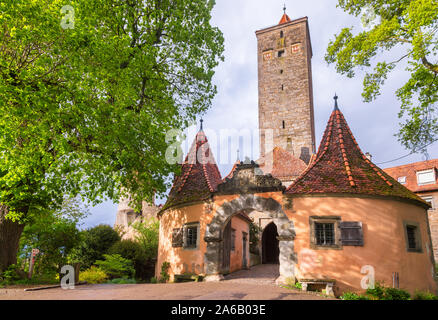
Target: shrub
column 421, row 295
column 380, row 292
column 132, row 250
column 93, row 275
column 95, row 242
column 116, row 266
column 10, row 275
column 353, row 296
column 122, row 281
column 154, row 280
column 396, row 294
column 164, row 274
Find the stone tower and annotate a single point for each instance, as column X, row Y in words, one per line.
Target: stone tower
column 285, row 88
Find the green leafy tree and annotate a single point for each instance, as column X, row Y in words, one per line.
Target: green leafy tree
column 55, row 234
column 94, row 243
column 147, row 235
column 87, row 95
column 406, row 29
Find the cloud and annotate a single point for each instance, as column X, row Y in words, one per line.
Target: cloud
column 236, row 104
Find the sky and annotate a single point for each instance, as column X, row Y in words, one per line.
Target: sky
column 236, row 104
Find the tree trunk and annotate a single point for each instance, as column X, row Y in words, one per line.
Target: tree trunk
column 10, row 233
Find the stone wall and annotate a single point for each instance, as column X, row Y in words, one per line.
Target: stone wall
column 285, row 88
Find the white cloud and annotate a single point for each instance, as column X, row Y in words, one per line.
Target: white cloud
column 236, row 105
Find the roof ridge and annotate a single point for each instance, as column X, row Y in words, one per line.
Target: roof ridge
column 372, row 165
column 342, row 147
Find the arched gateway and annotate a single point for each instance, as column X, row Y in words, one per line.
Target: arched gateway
column 248, row 203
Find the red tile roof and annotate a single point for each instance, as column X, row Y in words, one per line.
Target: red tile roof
column 284, row 19
column 410, row 172
column 199, row 175
column 281, row 164
column 340, row 167
column 233, row 169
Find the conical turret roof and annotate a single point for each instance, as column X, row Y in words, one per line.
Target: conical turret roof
column 340, row 167
column 199, row 175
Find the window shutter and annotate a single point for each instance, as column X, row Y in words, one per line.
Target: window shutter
column 177, row 238
column 351, row 233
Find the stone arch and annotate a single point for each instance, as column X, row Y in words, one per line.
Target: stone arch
column 248, row 203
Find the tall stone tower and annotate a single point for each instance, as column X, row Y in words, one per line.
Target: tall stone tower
column 285, row 88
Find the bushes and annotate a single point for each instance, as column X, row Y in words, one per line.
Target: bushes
column 164, row 275
column 93, row 275
column 128, row 249
column 116, row 266
column 122, row 281
column 421, row 295
column 379, row 292
column 95, row 242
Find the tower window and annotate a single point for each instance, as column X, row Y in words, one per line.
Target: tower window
column 284, row 125
column 281, row 34
column 282, row 87
column 281, row 71
column 280, row 53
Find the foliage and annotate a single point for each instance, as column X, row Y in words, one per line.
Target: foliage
column 55, row 234
column 298, row 285
column 380, row 292
column 154, row 280
column 408, row 30
column 95, row 242
column 147, row 234
column 353, row 296
column 122, row 281
column 133, row 251
column 164, row 275
column 116, row 266
column 10, row 275
column 85, row 107
column 421, row 295
column 254, row 237
column 93, row 275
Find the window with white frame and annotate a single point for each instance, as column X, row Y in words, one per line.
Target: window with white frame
column 426, row 177
column 402, row 180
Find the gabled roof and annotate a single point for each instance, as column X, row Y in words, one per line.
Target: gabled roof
column 281, row 164
column 340, row 167
column 199, row 175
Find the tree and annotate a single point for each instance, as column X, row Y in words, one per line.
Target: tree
column 147, row 235
column 94, row 243
column 55, row 234
column 407, row 29
column 87, row 95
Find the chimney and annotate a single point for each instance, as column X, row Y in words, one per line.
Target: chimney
column 369, row 156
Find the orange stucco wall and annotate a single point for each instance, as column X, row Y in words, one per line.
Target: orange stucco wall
column 384, row 243
column 240, row 226
column 192, row 260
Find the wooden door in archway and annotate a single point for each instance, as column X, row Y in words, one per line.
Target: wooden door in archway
column 226, row 241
